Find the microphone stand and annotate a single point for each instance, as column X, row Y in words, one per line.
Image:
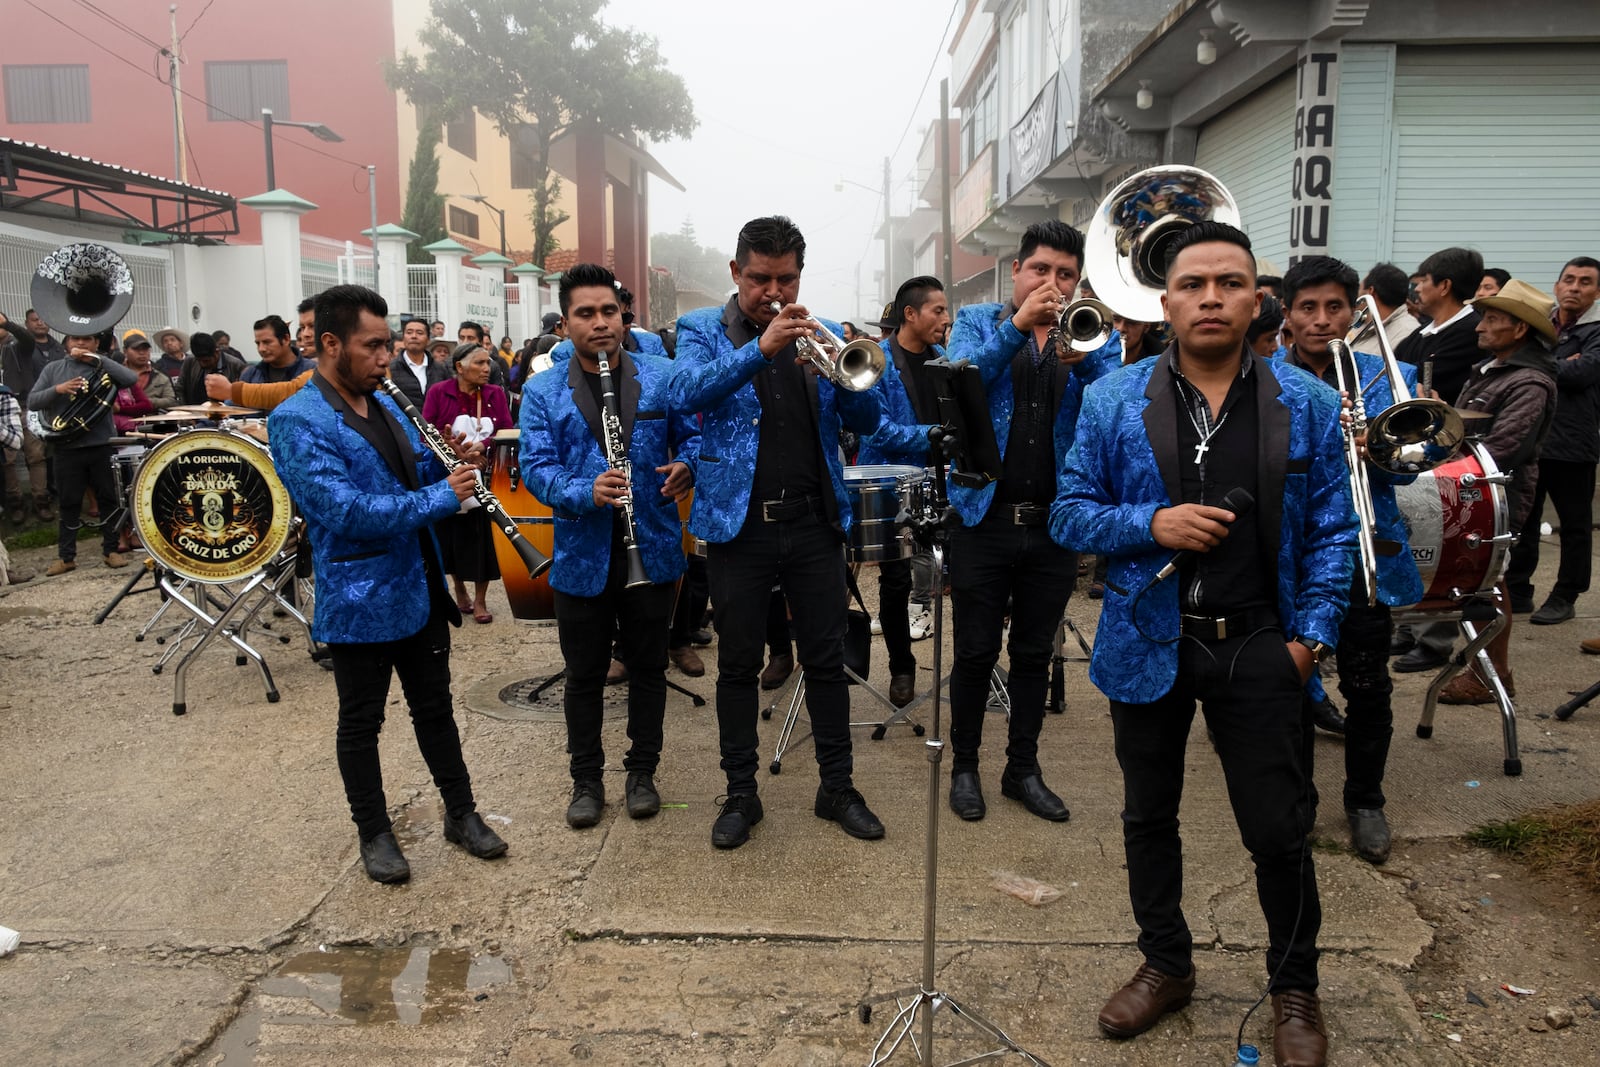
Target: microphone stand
column 914, row 1020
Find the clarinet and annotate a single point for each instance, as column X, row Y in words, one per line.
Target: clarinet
column 537, row 562
column 617, row 460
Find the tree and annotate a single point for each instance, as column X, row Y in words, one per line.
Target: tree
column 425, row 89
column 537, row 68
column 693, row 266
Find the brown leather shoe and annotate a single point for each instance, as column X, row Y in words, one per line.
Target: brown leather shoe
column 777, row 670
column 1140, row 1004
column 1590, row 645
column 1299, row 1038
column 1468, row 688
column 617, row 673
column 687, row 660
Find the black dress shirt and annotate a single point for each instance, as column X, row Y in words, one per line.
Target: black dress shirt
column 1028, row 474
column 789, row 453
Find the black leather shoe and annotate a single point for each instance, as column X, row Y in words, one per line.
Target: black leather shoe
column 902, row 689
column 588, row 798
column 383, row 859
column 643, row 800
column 1401, row 643
column 1033, row 794
column 849, row 809
column 1140, row 1004
column 474, row 835
column 966, row 796
column 1419, row 659
column 1369, row 833
column 737, row 815
column 1556, row 609
column 1326, row 716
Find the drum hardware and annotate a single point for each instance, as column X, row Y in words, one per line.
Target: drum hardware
column 1482, row 617
column 856, row 366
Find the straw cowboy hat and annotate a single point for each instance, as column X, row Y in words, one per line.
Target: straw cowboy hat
column 1522, row 301
column 165, row 331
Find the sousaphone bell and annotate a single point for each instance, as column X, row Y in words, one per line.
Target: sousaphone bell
column 80, row 290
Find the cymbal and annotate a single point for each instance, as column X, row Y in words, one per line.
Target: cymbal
column 218, row 411
column 171, row 416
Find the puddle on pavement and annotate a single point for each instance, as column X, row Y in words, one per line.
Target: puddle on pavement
column 357, row 985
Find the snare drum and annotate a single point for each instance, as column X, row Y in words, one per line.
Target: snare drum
column 531, row 598
column 881, row 495
column 209, row 506
column 1458, row 525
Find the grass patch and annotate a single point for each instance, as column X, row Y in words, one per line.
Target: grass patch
column 1562, row 840
column 44, row 536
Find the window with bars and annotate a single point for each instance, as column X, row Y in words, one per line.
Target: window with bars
column 47, row 92
column 459, row 220
column 242, row 89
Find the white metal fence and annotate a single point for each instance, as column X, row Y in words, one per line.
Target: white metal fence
column 22, row 250
column 422, row 291
column 325, row 262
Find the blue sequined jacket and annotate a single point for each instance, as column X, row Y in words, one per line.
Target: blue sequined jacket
column 561, row 457
column 714, row 378
column 644, row 341
column 984, row 334
column 366, row 524
column 1124, row 467
column 899, row 438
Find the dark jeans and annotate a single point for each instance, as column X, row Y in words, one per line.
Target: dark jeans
column 894, row 613
column 989, row 564
column 779, row 641
column 1365, row 684
column 806, row 556
column 78, row 469
column 690, row 609
column 640, row 617
column 1250, row 692
column 361, row 675
column 1570, row 487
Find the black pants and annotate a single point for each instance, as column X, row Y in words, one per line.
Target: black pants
column 806, row 556
column 989, row 564
column 1365, row 684
column 1250, row 692
column 894, row 613
column 79, row 469
column 361, row 674
column 641, row 618
column 1570, row 487
column 691, row 606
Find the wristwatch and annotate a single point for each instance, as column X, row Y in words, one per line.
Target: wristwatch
column 1317, row 648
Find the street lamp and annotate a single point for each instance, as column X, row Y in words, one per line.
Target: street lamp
column 500, row 221
column 318, row 130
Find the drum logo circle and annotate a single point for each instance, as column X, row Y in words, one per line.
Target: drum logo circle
column 210, row 507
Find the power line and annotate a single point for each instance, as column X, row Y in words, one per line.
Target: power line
column 927, row 78
column 196, row 21
column 184, row 92
column 118, row 23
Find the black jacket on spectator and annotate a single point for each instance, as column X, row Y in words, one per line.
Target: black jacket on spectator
column 1575, row 435
column 1454, row 351
column 191, row 383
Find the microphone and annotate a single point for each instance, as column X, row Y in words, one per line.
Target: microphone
column 1237, row 500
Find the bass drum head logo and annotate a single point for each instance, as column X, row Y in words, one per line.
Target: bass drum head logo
column 210, row 507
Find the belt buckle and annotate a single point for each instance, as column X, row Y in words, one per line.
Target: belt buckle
column 766, row 510
column 1019, row 514
column 1222, row 627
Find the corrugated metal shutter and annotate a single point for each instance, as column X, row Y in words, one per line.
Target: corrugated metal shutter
column 1250, row 149
column 1497, row 149
column 47, row 93
column 1362, row 176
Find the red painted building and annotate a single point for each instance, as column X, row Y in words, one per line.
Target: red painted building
column 83, row 78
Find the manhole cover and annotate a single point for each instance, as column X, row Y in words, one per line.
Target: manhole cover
column 519, row 697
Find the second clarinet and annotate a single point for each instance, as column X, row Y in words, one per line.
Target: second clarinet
column 617, row 460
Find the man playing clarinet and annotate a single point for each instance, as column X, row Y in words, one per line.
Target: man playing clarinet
column 618, row 540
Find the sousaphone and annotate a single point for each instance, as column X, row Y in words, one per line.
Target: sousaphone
column 80, row 290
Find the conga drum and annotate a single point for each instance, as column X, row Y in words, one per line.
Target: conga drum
column 531, row 598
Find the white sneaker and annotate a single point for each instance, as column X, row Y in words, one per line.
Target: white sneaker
column 922, row 625
column 877, row 627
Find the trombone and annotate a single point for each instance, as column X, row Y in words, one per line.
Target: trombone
column 856, row 366
column 1360, row 485
column 1414, row 434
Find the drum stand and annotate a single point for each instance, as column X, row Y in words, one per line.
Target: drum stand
column 1057, row 702
column 912, row 1025
column 1482, row 609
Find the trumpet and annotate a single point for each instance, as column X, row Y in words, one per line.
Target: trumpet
column 856, row 366
column 1086, row 323
column 1360, row 486
column 1414, row 434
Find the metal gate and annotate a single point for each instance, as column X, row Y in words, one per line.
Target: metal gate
column 22, row 250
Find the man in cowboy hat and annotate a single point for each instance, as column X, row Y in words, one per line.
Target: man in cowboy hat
column 173, row 343
column 886, row 323
column 1517, row 385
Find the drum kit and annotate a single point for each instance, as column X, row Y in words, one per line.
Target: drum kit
column 199, row 489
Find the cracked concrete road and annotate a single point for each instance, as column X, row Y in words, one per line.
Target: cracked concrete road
column 164, row 872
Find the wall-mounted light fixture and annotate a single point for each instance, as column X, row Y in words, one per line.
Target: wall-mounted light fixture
column 1205, row 53
column 1144, row 97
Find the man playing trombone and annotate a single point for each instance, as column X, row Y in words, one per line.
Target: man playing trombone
column 615, row 561
column 771, row 504
column 1319, row 295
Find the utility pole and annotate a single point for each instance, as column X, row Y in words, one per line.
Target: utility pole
column 888, row 238
column 944, row 180
column 372, row 209
column 178, row 155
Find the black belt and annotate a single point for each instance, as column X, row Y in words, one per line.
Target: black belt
column 784, row 510
column 1024, row 514
column 1222, row 627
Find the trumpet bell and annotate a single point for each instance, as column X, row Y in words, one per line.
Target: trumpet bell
column 1086, row 322
column 1134, row 227
column 858, row 365
column 82, row 289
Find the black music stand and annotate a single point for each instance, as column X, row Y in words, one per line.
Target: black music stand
column 967, row 437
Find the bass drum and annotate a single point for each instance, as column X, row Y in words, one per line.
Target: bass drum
column 531, row 598
column 209, row 506
column 1458, row 525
